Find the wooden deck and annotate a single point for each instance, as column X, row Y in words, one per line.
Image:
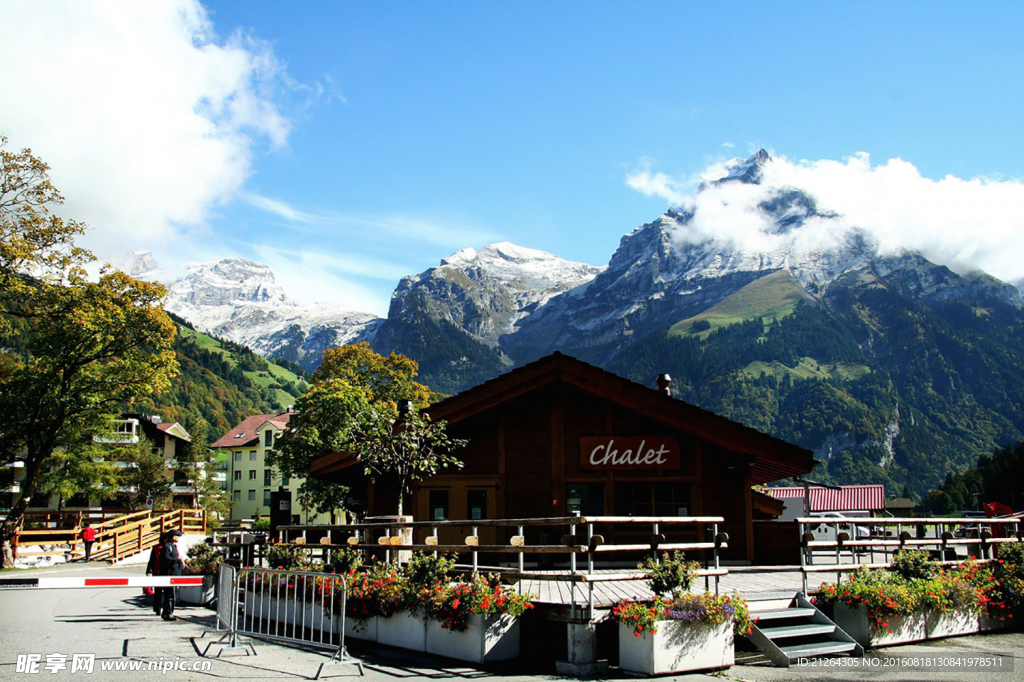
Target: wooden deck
column 748, row 581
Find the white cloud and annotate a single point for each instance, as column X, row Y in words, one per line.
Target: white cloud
column 279, row 208
column 320, row 277
column 964, row 224
column 148, row 120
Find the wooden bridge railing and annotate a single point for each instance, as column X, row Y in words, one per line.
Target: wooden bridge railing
column 855, row 538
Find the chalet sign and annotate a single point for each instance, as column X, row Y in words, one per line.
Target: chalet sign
column 622, row 453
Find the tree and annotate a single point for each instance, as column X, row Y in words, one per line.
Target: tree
column 198, row 465
column 324, row 421
column 408, row 449
column 387, row 379
column 84, row 348
column 145, row 477
column 79, row 470
column 35, row 245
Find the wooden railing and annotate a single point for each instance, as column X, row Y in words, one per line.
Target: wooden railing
column 858, row 540
column 581, row 544
column 117, row 538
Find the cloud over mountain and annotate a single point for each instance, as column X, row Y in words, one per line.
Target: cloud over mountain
column 964, row 224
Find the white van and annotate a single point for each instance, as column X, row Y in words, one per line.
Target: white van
column 830, row 531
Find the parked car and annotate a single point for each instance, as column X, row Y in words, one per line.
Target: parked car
column 830, row 531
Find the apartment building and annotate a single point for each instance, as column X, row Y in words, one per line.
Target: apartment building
column 250, row 480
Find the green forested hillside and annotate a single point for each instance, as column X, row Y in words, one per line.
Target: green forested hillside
column 885, row 388
column 222, row 383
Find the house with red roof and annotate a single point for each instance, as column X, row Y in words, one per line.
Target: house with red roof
column 250, row 480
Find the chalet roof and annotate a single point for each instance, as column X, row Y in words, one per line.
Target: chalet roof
column 847, row 498
column 174, row 429
column 246, row 432
column 773, row 459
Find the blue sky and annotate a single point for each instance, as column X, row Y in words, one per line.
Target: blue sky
column 348, row 144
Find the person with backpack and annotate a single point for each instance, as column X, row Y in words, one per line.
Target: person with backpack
column 153, row 568
column 169, row 563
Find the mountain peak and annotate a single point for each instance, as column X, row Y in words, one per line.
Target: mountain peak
column 749, row 170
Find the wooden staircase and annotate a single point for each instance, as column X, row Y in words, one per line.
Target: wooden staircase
column 798, row 630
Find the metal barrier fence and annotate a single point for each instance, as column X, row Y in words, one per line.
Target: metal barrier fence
column 582, row 544
column 861, row 540
column 287, row 606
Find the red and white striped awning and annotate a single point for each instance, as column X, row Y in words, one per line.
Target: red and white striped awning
column 847, row 498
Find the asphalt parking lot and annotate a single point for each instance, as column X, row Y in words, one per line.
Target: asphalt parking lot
column 115, row 629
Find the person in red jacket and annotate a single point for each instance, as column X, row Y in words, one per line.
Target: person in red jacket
column 88, row 537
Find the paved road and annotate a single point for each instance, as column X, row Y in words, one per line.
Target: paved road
column 117, row 627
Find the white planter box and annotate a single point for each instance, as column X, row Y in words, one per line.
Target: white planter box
column 987, row 623
column 363, row 630
column 951, row 624
column 404, row 629
column 677, row 646
column 913, row 627
column 488, row 638
column 284, row 615
column 199, row 595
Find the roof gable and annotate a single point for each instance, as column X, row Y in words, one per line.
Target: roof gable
column 246, row 432
column 773, row 458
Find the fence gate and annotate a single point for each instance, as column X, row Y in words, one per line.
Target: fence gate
column 288, row 606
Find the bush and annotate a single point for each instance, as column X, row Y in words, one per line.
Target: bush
column 914, row 564
column 287, row 557
column 344, row 561
column 426, row 570
column 672, row 575
column 203, row 559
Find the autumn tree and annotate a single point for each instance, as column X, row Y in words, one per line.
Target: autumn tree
column 81, row 347
column 388, row 379
column 325, row 418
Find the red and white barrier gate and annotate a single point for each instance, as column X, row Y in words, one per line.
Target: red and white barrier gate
column 118, row 581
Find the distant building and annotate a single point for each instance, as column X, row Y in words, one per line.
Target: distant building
column 168, row 438
column 852, row 500
column 250, row 480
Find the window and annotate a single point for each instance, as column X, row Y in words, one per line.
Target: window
column 268, row 438
column 438, row 505
column 587, row 499
column 266, row 477
column 652, row 499
column 238, row 474
column 476, row 504
column 252, row 495
column 252, row 456
column 266, row 498
column 238, row 456
column 238, row 496
column 252, row 474
column 285, row 480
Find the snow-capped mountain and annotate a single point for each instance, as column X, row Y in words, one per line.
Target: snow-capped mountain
column 240, row 300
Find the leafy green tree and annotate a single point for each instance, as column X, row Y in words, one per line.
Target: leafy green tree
column 407, row 450
column 85, row 347
column 325, row 419
column 199, row 466
column 146, row 476
column 79, row 470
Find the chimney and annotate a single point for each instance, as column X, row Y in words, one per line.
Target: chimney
column 665, row 384
column 155, row 419
column 405, row 408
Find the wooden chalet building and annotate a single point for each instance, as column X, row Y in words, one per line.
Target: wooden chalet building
column 559, row 436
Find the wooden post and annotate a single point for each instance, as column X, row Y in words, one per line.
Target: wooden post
column 140, row 537
column 181, row 520
column 203, row 513
column 161, row 526
column 115, row 557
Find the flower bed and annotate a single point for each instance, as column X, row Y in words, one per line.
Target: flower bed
column 414, row 607
column 917, row 599
column 680, row 633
